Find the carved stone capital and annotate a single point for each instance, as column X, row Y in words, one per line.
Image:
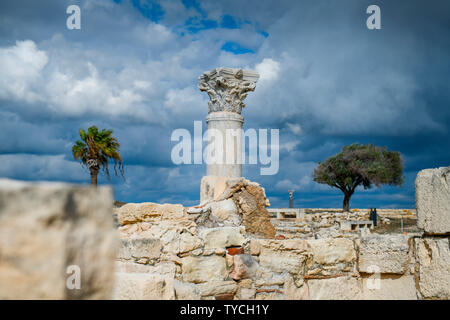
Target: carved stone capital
column 227, row 88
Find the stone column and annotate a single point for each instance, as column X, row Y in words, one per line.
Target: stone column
column 227, row 88
column 291, row 198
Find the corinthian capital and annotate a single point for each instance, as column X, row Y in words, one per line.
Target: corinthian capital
column 227, row 88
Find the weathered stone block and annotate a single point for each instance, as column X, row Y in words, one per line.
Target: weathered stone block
column 186, row 291
column 244, row 266
column 249, row 198
column 214, row 287
column 246, row 294
column 384, row 254
column 47, row 227
column 177, row 241
column 203, row 269
column 389, row 287
column 226, row 212
column 341, row 288
column 292, row 292
column 282, row 261
column 271, row 295
column 149, row 211
column 332, row 251
column 143, row 286
column 167, row 269
column 222, row 237
column 252, row 203
column 254, row 247
column 295, row 245
column 212, row 187
column 433, row 200
column 433, row 256
column 149, row 248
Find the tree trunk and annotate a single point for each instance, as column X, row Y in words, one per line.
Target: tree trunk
column 94, row 174
column 346, row 203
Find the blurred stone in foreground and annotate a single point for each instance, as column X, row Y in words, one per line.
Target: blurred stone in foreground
column 433, row 200
column 46, row 228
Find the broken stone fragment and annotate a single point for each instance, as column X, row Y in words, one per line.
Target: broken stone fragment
column 340, row 288
column 244, row 266
column 383, row 254
column 249, row 199
column 433, row 255
column 186, row 291
column 203, row 269
column 149, row 248
column 332, row 251
column 222, row 237
column 149, row 211
column 143, row 286
column 226, row 212
column 215, row 287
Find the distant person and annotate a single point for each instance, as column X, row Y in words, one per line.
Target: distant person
column 374, row 216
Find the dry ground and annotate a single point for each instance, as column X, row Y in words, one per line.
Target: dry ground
column 409, row 225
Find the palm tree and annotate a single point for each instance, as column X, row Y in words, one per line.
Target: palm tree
column 94, row 151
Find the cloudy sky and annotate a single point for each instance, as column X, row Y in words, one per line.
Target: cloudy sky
column 326, row 81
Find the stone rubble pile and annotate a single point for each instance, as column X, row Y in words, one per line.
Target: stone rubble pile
column 328, row 223
column 317, row 225
column 234, row 202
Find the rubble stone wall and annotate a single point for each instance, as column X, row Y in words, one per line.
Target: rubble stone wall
column 324, row 223
column 169, row 253
column 184, row 261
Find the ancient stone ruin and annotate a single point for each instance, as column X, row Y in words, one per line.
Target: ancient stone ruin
column 227, row 262
column 228, row 247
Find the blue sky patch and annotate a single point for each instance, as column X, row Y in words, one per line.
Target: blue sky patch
column 188, row 4
column 235, row 48
column 149, row 9
column 229, row 22
column 194, row 25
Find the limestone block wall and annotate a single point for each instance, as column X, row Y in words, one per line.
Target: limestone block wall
column 324, row 223
column 433, row 249
column 176, row 259
column 168, row 252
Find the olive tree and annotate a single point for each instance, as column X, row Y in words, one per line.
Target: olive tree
column 355, row 165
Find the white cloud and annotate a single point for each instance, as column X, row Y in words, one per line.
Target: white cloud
column 41, row 167
column 92, row 95
column 21, row 66
column 140, row 78
column 186, row 102
column 268, row 69
column 289, row 146
column 286, row 184
column 295, row 128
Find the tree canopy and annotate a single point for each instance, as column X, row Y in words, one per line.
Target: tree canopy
column 95, row 149
column 355, row 165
